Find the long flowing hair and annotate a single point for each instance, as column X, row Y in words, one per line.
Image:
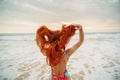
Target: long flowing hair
column 52, row 43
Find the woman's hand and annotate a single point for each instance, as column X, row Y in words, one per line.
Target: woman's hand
column 78, row 27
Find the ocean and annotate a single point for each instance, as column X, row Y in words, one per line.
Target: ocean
column 98, row 58
column 31, row 36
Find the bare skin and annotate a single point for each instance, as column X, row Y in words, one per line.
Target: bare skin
column 60, row 68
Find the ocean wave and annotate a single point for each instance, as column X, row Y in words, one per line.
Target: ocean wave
column 31, row 37
column 102, row 36
column 17, row 37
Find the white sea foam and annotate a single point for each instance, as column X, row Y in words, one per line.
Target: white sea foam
column 97, row 59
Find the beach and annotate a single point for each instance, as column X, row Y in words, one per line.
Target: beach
column 98, row 58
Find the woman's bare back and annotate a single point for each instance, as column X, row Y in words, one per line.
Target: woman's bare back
column 60, row 68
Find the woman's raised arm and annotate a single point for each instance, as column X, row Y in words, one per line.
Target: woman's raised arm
column 78, row 44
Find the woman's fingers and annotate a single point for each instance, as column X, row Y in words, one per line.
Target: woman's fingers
column 78, row 27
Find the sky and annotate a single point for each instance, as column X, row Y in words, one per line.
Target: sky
column 26, row 16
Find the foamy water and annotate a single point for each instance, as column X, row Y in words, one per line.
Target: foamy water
column 97, row 59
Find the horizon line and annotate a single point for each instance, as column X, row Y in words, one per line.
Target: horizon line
column 85, row 33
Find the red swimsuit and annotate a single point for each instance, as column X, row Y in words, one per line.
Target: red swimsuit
column 59, row 77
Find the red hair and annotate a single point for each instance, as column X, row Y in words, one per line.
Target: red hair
column 53, row 43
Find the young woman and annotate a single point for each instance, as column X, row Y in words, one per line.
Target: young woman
column 53, row 45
